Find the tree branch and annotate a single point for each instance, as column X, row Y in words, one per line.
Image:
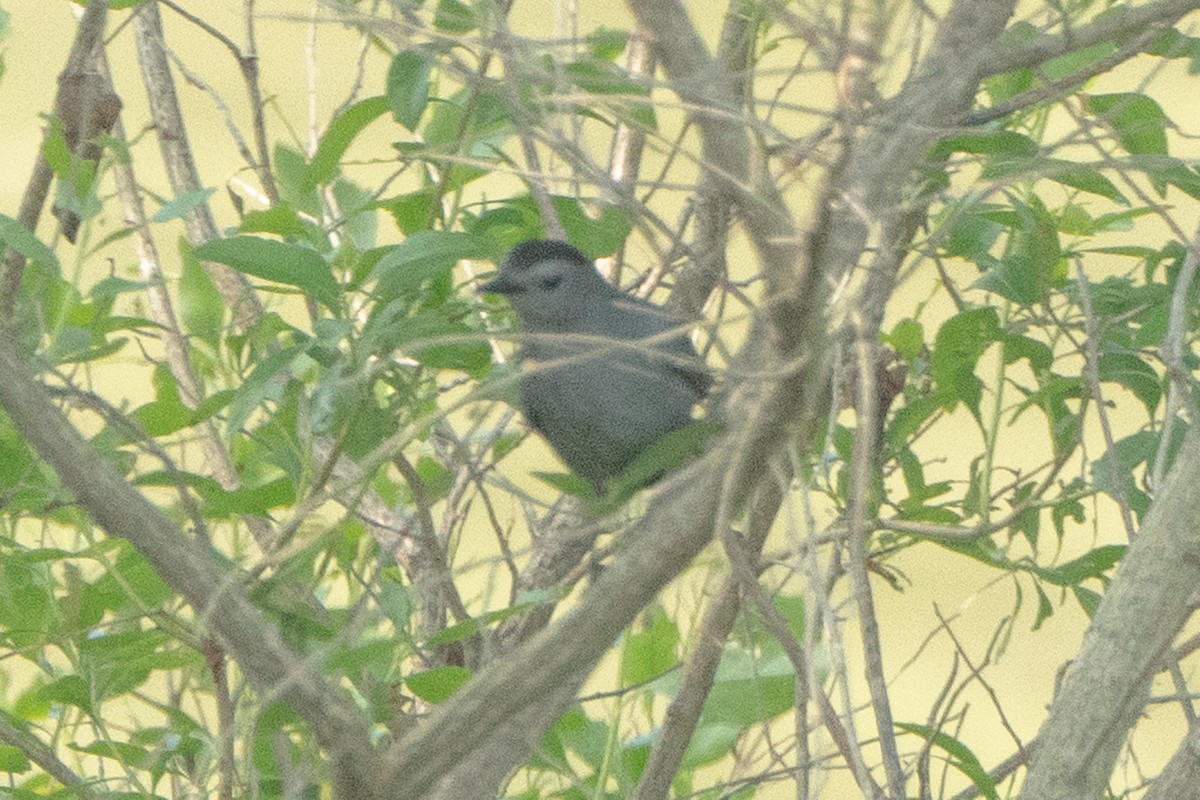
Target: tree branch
column 208, row 583
column 1144, row 608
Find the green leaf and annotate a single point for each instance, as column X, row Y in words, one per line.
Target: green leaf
column 453, row 16
column 468, row 628
column 606, row 43
column 116, row 663
column 960, row 757
column 1016, row 277
column 25, row 242
column 295, row 185
column 1039, row 354
column 989, row 141
column 257, row 388
column 415, row 211
column 358, row 209
column 959, row 344
column 369, row 426
column 1089, row 601
column 1077, row 61
column 131, row 755
column 218, row 502
column 1083, row 178
column 438, row 684
column 12, row 760
column 585, row 737
column 1173, row 44
column 182, row 205
column 1092, row 564
column 1045, row 609
column 337, row 139
column 661, row 457
column 1134, row 374
column 167, row 413
column 749, row 689
column 421, row 257
column 650, row 651
column 970, row 230
column 201, row 307
column 909, row 417
column 567, row 483
column 908, row 338
column 791, row 608
column 280, row 219
column 1138, row 120
column 596, row 234
column 284, row 263
column 408, row 86
column 70, row 690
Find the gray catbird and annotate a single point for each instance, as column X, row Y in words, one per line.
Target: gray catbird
column 603, row 374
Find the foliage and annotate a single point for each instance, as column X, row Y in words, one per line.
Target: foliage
column 373, row 458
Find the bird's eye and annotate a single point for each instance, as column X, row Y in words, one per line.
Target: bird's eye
column 551, row 283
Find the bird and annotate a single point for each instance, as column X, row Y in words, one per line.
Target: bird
column 604, row 374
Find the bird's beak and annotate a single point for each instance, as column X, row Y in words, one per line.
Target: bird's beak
column 499, row 285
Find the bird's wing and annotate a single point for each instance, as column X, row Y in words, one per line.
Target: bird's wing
column 645, row 320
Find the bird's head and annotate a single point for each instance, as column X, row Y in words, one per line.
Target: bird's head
column 549, row 284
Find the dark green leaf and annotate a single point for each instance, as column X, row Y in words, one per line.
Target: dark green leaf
column 959, row 343
column 1089, row 601
column 128, row 754
column 567, row 483
column 369, row 426
column 339, row 135
column 1092, row 564
column 281, row 262
column 1173, row 44
column 960, row 757
column 1045, row 609
column 1015, row 278
column 1138, row 120
column 414, row 212
column 1039, row 354
column 453, row 16
column 421, row 257
column 1083, row 178
column 1134, row 374
column 259, row 386
column 989, row 141
column 408, row 86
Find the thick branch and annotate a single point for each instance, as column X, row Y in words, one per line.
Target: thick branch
column 1116, row 24
column 211, row 586
column 1143, row 610
column 74, row 90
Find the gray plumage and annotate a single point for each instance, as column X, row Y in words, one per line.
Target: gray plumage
column 603, row 374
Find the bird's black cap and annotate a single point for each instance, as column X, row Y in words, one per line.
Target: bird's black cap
column 525, row 255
